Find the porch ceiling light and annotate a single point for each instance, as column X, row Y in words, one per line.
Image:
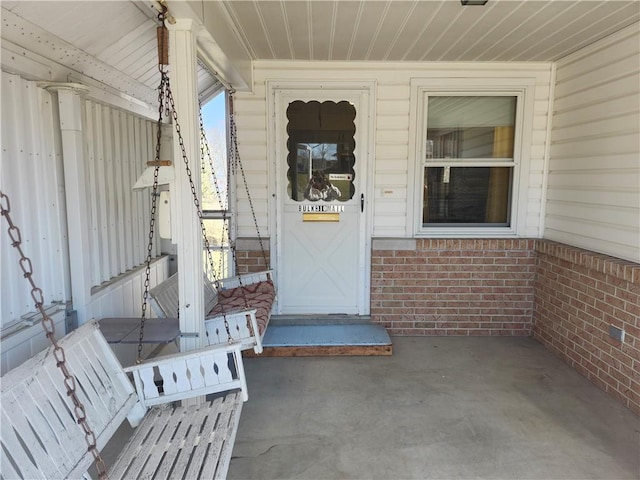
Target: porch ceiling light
column 473, row 2
column 165, row 175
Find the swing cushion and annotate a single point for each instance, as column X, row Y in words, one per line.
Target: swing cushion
column 260, row 296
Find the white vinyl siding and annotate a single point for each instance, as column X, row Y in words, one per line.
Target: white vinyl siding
column 593, row 197
column 393, row 179
column 250, row 117
column 117, row 146
column 31, row 175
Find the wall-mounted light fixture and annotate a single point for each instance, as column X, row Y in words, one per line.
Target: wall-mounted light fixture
column 166, row 173
column 473, row 2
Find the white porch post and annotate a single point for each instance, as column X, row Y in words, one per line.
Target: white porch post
column 182, row 74
column 70, row 107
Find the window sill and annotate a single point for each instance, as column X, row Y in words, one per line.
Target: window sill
column 467, row 232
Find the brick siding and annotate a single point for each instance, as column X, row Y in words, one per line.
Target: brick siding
column 578, row 295
column 564, row 296
column 454, row 287
column 250, row 261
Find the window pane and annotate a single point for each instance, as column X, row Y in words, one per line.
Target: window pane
column 218, row 237
column 321, row 151
column 467, row 195
column 470, row 127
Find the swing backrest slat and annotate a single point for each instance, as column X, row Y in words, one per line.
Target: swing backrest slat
column 39, row 434
column 163, row 298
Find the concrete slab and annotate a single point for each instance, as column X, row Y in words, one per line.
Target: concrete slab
column 440, row 407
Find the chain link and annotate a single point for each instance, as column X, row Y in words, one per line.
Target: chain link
column 49, row 329
column 196, row 202
column 164, row 82
column 206, row 153
column 162, row 87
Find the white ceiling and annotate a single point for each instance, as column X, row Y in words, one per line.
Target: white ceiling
column 424, row 30
column 98, row 38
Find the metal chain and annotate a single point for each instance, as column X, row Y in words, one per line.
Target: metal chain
column 196, row 202
column 49, row 328
column 206, row 154
column 164, row 80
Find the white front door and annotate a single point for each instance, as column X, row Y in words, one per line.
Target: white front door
column 321, row 163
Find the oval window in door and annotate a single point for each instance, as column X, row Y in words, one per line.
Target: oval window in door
column 321, row 148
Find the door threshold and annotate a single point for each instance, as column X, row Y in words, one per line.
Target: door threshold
column 323, row 351
column 326, row 340
column 320, row 319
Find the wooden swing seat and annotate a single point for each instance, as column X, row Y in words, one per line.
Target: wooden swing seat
column 245, row 301
column 41, row 439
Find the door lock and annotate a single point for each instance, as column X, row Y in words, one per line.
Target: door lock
column 362, row 202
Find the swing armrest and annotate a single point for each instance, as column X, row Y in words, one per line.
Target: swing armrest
column 184, row 375
column 242, row 328
column 246, row 279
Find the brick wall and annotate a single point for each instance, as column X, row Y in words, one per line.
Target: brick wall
column 250, row 257
column 453, row 286
column 578, row 295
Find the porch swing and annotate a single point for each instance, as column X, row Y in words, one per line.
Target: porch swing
column 237, row 308
column 54, row 426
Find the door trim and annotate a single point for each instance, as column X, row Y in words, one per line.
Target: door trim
column 275, row 91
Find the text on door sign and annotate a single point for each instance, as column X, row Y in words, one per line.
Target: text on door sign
column 321, row 208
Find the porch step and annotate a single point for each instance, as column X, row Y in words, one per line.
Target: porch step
column 312, row 338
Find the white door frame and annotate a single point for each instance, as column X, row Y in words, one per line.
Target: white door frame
column 275, row 89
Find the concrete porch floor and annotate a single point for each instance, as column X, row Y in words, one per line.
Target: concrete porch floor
column 440, row 407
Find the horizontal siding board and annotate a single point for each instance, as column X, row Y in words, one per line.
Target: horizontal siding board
column 392, row 137
column 385, row 153
column 594, row 174
column 611, row 180
column 393, row 122
column 250, row 122
column 625, row 235
column 608, row 108
column 389, row 179
column 593, row 196
column 603, row 146
column 391, row 107
column 610, row 51
column 620, row 87
column 398, row 93
column 610, row 126
column 588, row 242
column 614, row 162
column 601, row 214
column 399, row 166
column 389, row 142
column 392, row 195
column 604, row 74
column 252, row 155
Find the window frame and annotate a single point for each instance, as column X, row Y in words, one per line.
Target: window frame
column 421, row 90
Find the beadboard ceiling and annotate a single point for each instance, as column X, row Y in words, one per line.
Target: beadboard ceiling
column 424, row 30
column 119, row 36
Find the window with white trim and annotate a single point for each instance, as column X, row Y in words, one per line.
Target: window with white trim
column 468, row 143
